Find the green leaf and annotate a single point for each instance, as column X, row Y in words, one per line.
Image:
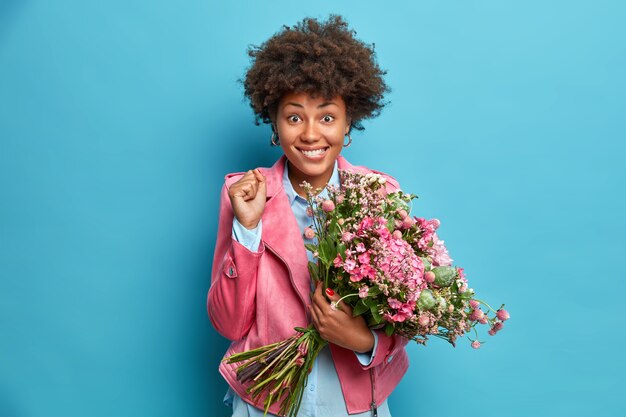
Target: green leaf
column 376, row 315
column 373, row 291
column 310, row 247
column 314, row 270
column 360, row 308
column 389, row 329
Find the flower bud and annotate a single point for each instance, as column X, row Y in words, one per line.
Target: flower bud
column 503, row 315
column 429, row 276
column 477, row 315
column 328, row 206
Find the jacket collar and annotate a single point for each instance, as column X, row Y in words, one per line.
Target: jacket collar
column 274, row 174
column 280, row 228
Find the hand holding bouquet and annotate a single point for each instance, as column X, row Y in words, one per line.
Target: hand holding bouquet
column 389, row 267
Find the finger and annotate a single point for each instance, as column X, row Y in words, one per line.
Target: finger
column 248, row 189
column 319, row 312
column 262, row 185
column 319, row 299
column 314, row 316
column 334, row 297
column 259, row 177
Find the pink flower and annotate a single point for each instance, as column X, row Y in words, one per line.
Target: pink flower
column 397, row 234
column 337, row 262
column 474, row 303
column 491, row 332
column 309, row 233
column 349, row 265
column 423, row 320
column 309, row 212
column 328, row 206
column 436, row 223
column 498, row 326
column 367, row 271
column 356, row 276
column 461, row 274
column 300, row 361
column 407, row 222
column 347, row 237
column 429, row 276
column 402, row 213
column 393, row 303
column 483, row 320
column 439, row 252
column 503, row 315
column 339, row 199
column 477, row 314
column 360, row 247
column 397, row 223
column 475, row 344
column 363, row 291
column 364, row 258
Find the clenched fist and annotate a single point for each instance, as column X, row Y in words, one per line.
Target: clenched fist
column 247, row 197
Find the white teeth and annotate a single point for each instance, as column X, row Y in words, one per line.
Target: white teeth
column 313, row 153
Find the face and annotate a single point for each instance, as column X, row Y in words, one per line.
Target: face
column 311, row 131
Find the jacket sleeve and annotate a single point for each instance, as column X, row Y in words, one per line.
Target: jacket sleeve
column 231, row 297
column 387, row 347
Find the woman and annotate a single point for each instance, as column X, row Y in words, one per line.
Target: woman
column 313, row 83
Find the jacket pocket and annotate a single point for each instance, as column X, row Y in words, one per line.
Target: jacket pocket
column 229, row 268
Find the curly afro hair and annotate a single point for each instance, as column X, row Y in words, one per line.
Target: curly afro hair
column 320, row 58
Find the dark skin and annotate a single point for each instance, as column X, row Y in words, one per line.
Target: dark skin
column 307, row 122
column 339, row 326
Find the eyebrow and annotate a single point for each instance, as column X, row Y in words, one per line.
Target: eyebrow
column 325, row 104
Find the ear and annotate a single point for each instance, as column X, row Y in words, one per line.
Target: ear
column 348, row 126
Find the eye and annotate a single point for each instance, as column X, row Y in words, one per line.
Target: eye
column 328, row 118
column 294, row 118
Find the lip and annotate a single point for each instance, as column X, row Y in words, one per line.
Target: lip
column 311, row 149
column 316, row 157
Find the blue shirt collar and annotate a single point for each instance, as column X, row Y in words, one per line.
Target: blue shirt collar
column 292, row 195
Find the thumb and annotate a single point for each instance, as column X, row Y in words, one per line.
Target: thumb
column 261, row 180
column 334, row 298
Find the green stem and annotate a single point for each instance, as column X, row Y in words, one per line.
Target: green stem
column 482, row 302
column 278, row 358
column 345, row 296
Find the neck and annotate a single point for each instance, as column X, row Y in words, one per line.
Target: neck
column 296, row 178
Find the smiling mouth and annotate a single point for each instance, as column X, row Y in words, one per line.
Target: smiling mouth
column 313, row 153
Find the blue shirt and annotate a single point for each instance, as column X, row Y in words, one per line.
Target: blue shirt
column 323, row 396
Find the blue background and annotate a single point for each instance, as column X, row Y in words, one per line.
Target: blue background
column 119, row 119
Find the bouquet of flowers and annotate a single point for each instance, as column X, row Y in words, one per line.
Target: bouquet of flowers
column 391, row 268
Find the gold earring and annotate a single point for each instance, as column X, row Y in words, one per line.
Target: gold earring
column 345, row 145
column 274, row 139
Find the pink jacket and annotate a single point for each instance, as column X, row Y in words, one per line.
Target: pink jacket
column 257, row 298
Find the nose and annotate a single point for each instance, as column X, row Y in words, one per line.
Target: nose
column 310, row 132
